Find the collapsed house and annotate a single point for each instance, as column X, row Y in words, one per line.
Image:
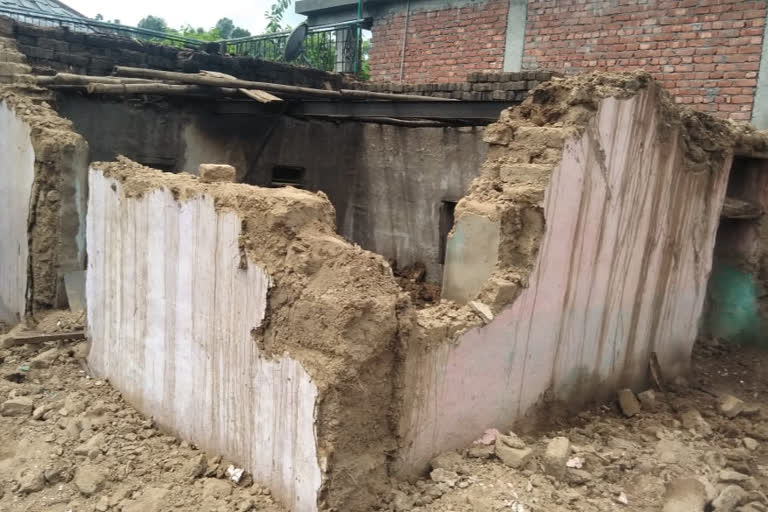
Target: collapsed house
column 574, row 239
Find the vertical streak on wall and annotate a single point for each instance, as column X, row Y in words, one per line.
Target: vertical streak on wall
column 515, row 37
column 170, row 315
column 17, row 173
column 622, row 271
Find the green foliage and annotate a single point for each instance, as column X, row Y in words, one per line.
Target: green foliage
column 225, row 26
column 153, row 23
column 275, row 15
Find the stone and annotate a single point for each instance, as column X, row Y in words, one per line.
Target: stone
column 692, row 420
column 152, row 499
column 401, row 502
column 482, row 310
column 481, row 451
column 195, row 467
column 648, row 400
column 730, row 476
column 45, row 359
column 39, row 412
column 684, row 495
column 450, row 461
column 92, row 446
column 728, row 499
column 31, row 480
column 577, row 476
column 750, row 444
column 21, row 406
column 215, row 488
column 556, row 456
column 628, row 402
column 512, row 457
column 755, row 506
column 103, row 504
column 441, row 475
column 730, row 406
column 216, row 173
column 89, row 480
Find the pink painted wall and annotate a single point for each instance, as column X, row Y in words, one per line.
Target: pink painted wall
column 622, row 271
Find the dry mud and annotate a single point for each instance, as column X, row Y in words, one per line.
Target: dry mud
column 70, row 442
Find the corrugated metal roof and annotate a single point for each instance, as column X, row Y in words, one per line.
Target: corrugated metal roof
column 52, row 7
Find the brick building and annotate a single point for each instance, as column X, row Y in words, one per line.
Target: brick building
column 706, row 52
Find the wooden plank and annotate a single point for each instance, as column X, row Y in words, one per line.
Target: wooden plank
column 38, row 338
column 260, row 96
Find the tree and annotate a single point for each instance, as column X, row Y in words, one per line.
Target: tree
column 225, row 27
column 275, row 15
column 240, row 32
column 153, row 23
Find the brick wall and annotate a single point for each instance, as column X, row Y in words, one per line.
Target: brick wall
column 442, row 45
column 705, row 52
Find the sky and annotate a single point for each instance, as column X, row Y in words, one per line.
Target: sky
column 248, row 14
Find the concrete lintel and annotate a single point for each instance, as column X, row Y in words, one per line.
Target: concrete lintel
column 760, row 104
column 515, row 41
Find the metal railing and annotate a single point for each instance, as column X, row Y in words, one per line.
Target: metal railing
column 335, row 47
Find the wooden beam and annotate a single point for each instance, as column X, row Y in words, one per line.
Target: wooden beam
column 214, row 81
column 38, row 338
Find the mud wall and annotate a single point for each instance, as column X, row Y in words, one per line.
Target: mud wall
column 387, row 183
column 296, row 384
column 54, row 207
column 620, row 269
column 17, row 172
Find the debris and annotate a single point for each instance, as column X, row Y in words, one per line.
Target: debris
column 482, row 310
column 489, row 437
column 648, row 400
column 729, row 497
column 628, row 402
column 692, row 420
column 89, row 480
column 575, row 462
column 729, row 406
column 450, row 461
column 441, row 475
column 730, row 476
column 45, row 359
column 510, row 455
column 685, row 495
column 31, row 480
column 622, row 498
column 235, row 474
column 216, row 173
column 39, row 338
column 556, row 456
column 750, row 444
column 21, row 406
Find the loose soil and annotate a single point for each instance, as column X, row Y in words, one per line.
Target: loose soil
column 70, row 442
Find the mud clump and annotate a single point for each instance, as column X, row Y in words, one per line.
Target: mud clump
column 412, row 279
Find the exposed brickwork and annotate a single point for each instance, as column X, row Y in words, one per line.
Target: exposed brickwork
column 486, row 86
column 442, row 45
column 706, row 52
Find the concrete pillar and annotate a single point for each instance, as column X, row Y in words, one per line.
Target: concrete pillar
column 515, row 41
column 760, row 105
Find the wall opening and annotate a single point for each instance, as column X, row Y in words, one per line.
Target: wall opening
column 287, row 176
column 447, row 211
column 737, row 301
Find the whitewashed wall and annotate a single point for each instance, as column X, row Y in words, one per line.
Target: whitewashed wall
column 622, row 271
column 17, row 173
column 170, row 316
